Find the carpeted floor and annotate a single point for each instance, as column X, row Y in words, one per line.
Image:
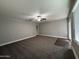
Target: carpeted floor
column 39, row 47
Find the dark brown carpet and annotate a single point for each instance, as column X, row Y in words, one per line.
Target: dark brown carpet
column 39, row 47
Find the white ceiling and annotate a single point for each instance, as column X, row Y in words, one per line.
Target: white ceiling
column 22, row 8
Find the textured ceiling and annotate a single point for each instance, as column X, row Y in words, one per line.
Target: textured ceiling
column 22, row 8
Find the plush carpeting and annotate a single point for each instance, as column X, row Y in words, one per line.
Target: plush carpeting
column 39, row 47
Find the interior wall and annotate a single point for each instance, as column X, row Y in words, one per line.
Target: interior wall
column 56, row 28
column 14, row 29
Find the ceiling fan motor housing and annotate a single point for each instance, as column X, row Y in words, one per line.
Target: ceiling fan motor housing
column 43, row 19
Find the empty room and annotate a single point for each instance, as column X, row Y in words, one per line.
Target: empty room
column 39, row 29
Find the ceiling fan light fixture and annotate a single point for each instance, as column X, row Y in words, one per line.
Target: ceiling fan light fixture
column 39, row 17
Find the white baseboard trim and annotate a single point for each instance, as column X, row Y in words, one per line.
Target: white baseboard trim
column 75, row 54
column 17, row 40
column 29, row 37
column 53, row 36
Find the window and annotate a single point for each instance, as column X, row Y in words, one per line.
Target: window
column 76, row 23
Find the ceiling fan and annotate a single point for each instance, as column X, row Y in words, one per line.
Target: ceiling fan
column 38, row 17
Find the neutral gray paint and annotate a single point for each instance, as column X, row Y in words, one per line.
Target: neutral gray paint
column 13, row 29
column 56, row 28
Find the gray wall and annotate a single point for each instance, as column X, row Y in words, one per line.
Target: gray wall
column 14, row 29
column 56, row 28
